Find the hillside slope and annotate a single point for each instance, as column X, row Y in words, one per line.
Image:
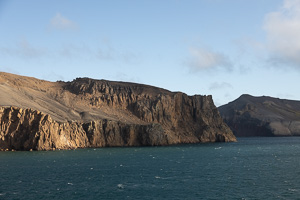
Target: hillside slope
column 262, row 116
column 42, row 115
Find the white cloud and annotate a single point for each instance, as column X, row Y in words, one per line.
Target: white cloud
column 62, row 23
column 283, row 33
column 205, row 59
column 219, row 86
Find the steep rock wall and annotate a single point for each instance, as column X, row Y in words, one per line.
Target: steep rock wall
column 25, row 129
column 191, row 118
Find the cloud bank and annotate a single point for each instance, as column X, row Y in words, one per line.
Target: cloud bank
column 24, row 50
column 283, row 34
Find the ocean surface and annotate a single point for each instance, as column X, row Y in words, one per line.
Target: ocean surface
column 252, row 168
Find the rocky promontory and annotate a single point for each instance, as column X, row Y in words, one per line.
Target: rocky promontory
column 250, row 116
column 41, row 115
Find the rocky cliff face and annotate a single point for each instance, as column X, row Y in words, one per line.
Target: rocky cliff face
column 25, row 129
column 262, row 116
column 98, row 113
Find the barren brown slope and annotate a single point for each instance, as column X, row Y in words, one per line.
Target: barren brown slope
column 51, row 98
column 94, row 113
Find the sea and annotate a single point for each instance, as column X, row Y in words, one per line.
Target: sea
column 252, row 168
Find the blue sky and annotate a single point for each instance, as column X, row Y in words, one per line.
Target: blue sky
column 220, row 47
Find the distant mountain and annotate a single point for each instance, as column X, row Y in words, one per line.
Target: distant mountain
column 262, row 116
column 42, row 115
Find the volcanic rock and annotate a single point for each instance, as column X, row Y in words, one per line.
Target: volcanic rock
column 262, row 116
column 41, row 115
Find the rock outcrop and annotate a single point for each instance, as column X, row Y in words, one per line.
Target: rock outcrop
column 43, row 115
column 262, row 116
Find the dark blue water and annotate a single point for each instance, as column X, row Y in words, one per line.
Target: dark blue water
column 253, row 168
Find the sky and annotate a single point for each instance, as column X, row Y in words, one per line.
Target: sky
column 223, row 48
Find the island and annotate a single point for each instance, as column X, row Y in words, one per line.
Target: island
column 250, row 116
column 41, row 115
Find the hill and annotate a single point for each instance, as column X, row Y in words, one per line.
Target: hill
column 41, row 115
column 262, row 116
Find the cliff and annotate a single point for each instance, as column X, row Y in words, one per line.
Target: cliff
column 262, row 116
column 42, row 115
